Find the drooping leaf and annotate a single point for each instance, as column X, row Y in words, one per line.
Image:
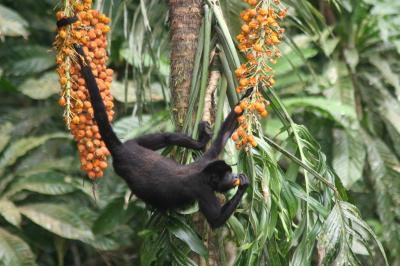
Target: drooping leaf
column 5, row 134
column 59, row 219
column 22, row 146
column 29, row 59
column 349, row 157
column 341, row 228
column 110, row 216
column 49, row 184
column 337, row 111
column 12, row 24
column 10, row 212
column 14, row 251
column 41, row 88
column 188, row 236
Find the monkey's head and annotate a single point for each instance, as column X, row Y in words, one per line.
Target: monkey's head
column 219, row 176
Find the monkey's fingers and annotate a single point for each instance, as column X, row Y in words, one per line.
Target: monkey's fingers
column 236, row 182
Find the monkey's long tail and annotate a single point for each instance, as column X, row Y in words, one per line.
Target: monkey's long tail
column 100, row 115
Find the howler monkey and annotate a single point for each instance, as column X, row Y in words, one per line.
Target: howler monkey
column 162, row 182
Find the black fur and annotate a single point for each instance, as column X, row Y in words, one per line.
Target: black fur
column 162, row 182
column 66, row 21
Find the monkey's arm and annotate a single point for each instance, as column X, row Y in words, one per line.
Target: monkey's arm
column 161, row 140
column 212, row 210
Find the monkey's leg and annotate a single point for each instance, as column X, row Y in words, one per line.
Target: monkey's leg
column 228, row 127
column 161, row 140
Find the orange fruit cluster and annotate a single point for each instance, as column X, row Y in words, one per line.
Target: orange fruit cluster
column 258, row 40
column 89, row 31
column 247, row 110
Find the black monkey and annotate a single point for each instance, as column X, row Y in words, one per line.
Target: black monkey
column 162, row 182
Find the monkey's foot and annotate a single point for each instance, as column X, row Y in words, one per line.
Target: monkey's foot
column 205, row 132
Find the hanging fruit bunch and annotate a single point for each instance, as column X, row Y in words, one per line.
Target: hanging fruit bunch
column 88, row 28
column 258, row 40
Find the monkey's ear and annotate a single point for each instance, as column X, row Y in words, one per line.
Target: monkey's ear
column 218, row 166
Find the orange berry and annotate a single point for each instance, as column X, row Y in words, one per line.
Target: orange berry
column 61, row 101
column 264, row 113
column 91, row 174
column 103, row 165
column 243, row 82
column 75, row 120
column 241, row 132
column 245, row 28
column 243, row 104
column 238, row 109
column 235, row 136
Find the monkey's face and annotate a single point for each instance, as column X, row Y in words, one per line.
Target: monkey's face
column 219, row 176
column 223, row 183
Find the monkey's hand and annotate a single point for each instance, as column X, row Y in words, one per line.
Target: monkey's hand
column 205, row 132
column 242, row 181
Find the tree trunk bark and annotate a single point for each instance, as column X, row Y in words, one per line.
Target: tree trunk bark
column 185, row 19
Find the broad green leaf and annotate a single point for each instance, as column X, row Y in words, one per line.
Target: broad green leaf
column 14, row 251
column 386, row 70
column 102, row 242
column 5, row 134
column 385, row 175
column 118, row 91
column 30, row 59
column 60, row 219
column 348, row 157
column 188, row 236
column 111, row 216
column 10, row 212
column 21, row 147
column 340, row 229
column 129, row 127
column 352, row 58
column 337, row 111
column 12, row 24
column 41, row 88
column 49, row 184
column 237, row 228
column 293, row 59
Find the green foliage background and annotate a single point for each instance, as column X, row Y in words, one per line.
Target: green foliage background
column 334, row 125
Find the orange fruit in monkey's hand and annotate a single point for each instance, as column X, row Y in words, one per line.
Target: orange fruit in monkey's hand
column 236, row 182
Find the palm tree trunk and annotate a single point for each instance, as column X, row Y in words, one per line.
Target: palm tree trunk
column 185, row 18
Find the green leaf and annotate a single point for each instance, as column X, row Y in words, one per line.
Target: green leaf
column 386, row 70
column 335, row 110
column 20, row 147
column 352, row 58
column 348, row 157
column 14, row 251
column 111, row 216
column 60, row 219
column 340, row 229
column 41, row 88
column 29, row 59
column 12, row 24
column 5, row 134
column 10, row 212
column 294, row 59
column 49, row 184
column 188, row 236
